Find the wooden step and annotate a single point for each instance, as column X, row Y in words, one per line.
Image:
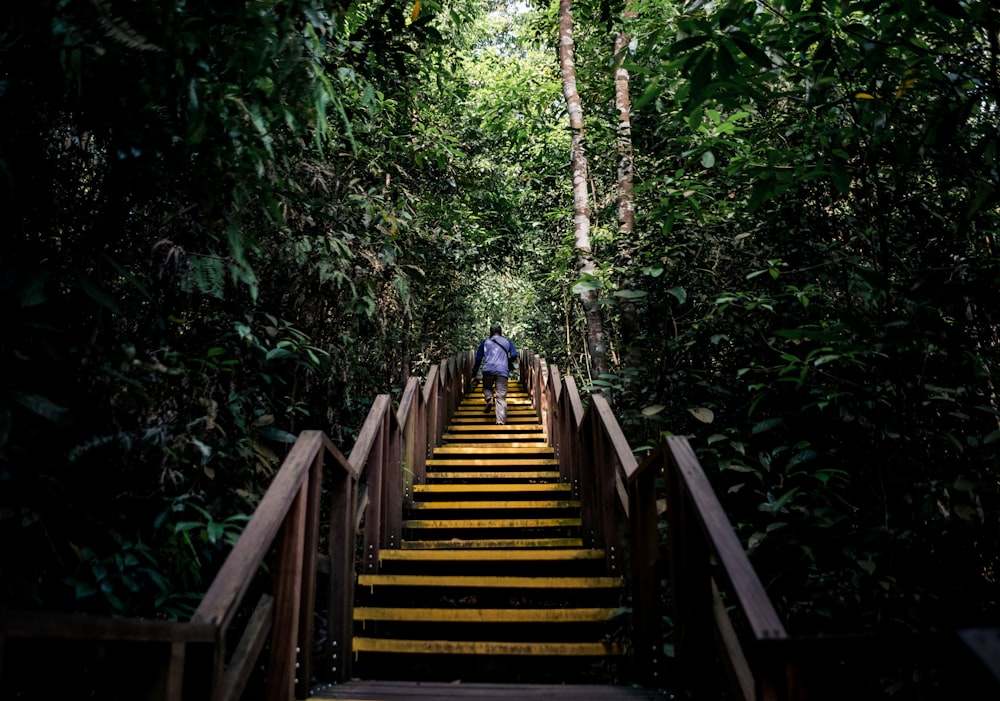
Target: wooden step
column 491, row 462
column 494, row 505
column 493, row 554
column 437, row 489
column 361, row 690
column 519, row 438
column 479, row 404
column 487, row 582
column 484, row 648
column 503, row 445
column 493, row 428
column 491, row 475
column 499, row 543
column 491, row 523
column 494, row 450
column 469, row 615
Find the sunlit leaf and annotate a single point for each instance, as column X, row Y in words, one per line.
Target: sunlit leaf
column 703, row 414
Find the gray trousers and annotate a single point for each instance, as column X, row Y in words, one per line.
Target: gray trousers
column 495, row 388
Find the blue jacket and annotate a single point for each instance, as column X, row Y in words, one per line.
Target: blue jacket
column 492, row 355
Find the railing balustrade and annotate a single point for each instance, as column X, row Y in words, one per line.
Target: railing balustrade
column 595, row 457
column 204, row 658
column 723, row 619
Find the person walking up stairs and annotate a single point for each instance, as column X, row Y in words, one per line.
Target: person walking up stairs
column 496, row 355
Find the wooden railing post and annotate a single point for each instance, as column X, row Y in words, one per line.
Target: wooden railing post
column 644, row 552
column 408, row 415
column 429, row 415
column 280, row 684
column 448, row 390
column 691, row 590
column 568, row 415
column 340, row 614
column 611, row 496
column 310, row 557
column 435, row 405
column 392, row 494
column 368, row 457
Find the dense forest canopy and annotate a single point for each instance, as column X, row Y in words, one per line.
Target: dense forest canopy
column 228, row 222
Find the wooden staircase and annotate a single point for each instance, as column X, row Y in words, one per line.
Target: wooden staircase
column 492, row 580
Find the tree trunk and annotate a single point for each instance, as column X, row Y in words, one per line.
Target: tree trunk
column 596, row 346
column 631, row 328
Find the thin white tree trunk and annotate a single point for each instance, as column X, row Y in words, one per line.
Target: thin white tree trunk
column 626, row 203
column 596, row 346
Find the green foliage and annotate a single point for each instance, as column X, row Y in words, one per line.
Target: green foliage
column 228, row 224
column 817, row 251
column 219, row 235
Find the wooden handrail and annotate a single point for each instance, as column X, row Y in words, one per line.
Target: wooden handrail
column 389, row 457
column 288, row 518
column 230, row 585
column 704, row 554
column 199, row 657
column 614, row 488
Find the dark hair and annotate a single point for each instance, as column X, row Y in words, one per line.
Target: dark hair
column 495, row 329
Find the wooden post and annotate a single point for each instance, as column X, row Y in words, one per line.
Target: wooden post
column 310, row 556
column 645, row 555
column 583, row 459
column 432, row 400
column 288, row 599
column 376, row 473
column 392, row 486
column 412, row 398
column 692, row 588
column 421, row 442
column 340, row 615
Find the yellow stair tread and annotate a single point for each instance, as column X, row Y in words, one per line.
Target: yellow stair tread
column 528, row 438
column 509, row 504
column 442, row 488
column 488, row 581
column 469, row 554
column 469, row 647
column 496, row 444
column 487, row 462
column 494, row 449
column 515, row 420
column 525, row 474
column 474, row 615
column 499, row 543
column 493, row 523
column 492, row 428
